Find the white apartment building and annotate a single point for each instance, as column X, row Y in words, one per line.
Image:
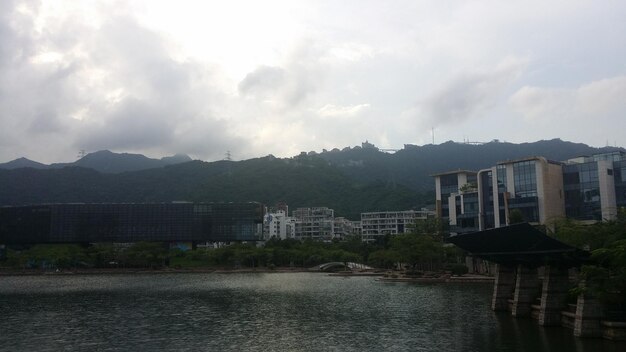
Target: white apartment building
column 279, row 225
column 343, row 228
column 375, row 225
column 314, row 223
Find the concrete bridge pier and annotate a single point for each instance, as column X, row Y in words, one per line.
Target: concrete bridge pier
column 553, row 295
column 503, row 287
column 588, row 315
column 526, row 286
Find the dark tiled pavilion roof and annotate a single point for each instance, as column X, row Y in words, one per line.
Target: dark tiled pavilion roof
column 519, row 244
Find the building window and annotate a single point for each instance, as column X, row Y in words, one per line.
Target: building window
column 501, row 177
column 449, row 184
column 524, row 175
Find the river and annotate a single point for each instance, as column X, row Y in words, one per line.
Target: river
column 262, row 312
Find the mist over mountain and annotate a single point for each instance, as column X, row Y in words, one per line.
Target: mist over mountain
column 21, row 163
column 104, row 161
column 351, row 181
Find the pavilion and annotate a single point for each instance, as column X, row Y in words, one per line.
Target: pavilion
column 519, row 250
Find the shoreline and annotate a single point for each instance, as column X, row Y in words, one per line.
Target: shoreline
column 378, row 275
column 478, row 279
column 133, row 271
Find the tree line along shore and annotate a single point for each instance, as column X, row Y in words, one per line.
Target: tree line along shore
column 422, row 249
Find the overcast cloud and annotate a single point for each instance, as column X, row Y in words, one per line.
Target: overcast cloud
column 280, row 77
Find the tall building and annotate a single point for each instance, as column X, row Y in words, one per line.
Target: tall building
column 534, row 188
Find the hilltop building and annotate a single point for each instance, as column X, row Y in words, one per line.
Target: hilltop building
column 534, row 189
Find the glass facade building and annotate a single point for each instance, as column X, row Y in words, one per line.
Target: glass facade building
column 486, row 201
column 587, row 188
column 466, row 212
column 619, row 171
column 582, row 191
column 526, row 199
column 448, row 184
column 157, row 222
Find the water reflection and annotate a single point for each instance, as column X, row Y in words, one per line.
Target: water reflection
column 260, row 312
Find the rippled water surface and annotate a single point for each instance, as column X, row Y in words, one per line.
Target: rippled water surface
column 262, row 312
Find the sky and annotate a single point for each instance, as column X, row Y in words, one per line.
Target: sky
column 252, row 78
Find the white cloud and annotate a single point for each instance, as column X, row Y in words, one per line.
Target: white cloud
column 280, row 77
column 594, row 111
column 600, row 99
column 330, row 110
column 468, row 94
column 350, row 52
column 264, row 83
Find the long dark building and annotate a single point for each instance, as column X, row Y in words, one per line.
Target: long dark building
column 133, row 222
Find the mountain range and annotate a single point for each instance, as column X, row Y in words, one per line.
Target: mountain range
column 351, row 181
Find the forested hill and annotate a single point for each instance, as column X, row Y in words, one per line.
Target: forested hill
column 351, row 181
column 413, row 165
column 300, row 181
